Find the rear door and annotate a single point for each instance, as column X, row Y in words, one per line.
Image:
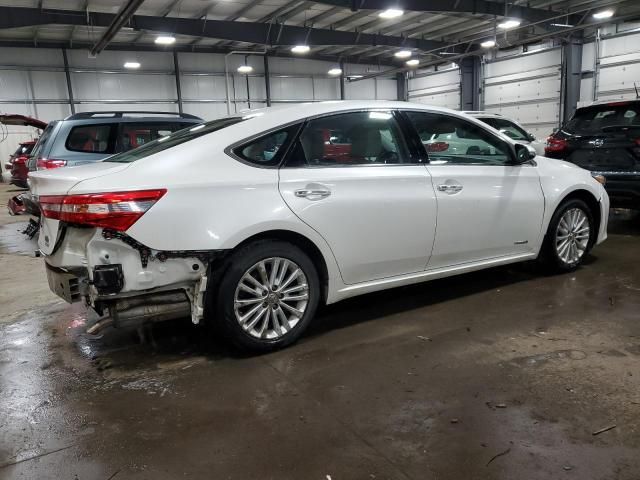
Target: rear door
column 372, row 201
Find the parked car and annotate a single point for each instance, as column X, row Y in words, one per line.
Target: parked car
column 510, row 128
column 18, row 177
column 93, row 136
column 208, row 222
column 17, row 164
column 605, row 139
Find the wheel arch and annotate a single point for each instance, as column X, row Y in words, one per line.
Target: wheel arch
column 592, row 202
column 302, row 242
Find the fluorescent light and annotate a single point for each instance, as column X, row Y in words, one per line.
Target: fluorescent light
column 391, row 13
column 352, row 77
column 603, row 14
column 488, row 44
column 245, row 69
column 379, row 115
column 335, row 71
column 413, row 62
column 300, row 49
column 165, row 39
column 507, row 24
column 447, row 53
column 565, row 25
column 131, row 65
column 402, row 54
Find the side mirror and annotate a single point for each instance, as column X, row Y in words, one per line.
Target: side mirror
column 524, row 153
column 532, row 137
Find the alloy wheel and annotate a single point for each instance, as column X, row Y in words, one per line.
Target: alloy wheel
column 271, row 298
column 572, row 235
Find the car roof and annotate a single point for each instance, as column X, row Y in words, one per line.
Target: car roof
column 131, row 116
column 479, row 113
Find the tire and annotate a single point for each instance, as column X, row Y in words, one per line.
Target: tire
column 265, row 329
column 555, row 255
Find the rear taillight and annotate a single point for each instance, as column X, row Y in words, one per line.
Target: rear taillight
column 47, row 163
column 20, row 160
column 437, row 147
column 556, row 145
column 117, row 210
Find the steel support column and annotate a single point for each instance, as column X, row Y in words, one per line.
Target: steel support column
column 267, row 80
column 342, row 81
column 176, row 71
column 67, row 75
column 401, row 79
column 470, row 83
column 571, row 76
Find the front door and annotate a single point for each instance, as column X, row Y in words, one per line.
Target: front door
column 373, row 205
column 487, row 206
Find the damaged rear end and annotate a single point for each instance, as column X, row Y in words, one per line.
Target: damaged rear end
column 90, row 257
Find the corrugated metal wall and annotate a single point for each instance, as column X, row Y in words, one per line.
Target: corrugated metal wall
column 33, row 82
column 611, row 66
column 525, row 87
column 440, row 88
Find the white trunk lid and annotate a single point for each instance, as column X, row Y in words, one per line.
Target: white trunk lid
column 58, row 182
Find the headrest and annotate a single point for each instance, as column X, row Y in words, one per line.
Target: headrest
column 365, row 142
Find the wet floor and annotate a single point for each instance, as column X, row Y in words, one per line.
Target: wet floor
column 502, row 374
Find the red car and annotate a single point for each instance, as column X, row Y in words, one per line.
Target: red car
column 17, row 163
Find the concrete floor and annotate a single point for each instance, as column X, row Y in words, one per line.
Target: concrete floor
column 502, row 374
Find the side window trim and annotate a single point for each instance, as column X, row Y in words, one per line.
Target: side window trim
column 511, row 161
column 296, row 127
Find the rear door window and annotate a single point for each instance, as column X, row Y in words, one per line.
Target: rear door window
column 599, row 118
column 92, row 138
column 510, row 129
column 267, row 150
column 134, row 135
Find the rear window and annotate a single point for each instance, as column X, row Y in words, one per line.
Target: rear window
column 596, row 118
column 510, row 129
column 92, row 138
column 134, row 135
column 24, row 149
column 173, row 139
column 40, row 144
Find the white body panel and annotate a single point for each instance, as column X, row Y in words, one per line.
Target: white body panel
column 376, row 230
column 379, row 220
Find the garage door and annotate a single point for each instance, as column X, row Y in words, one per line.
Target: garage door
column 440, row 88
column 526, row 87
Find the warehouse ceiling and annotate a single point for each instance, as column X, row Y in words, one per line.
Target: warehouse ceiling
column 349, row 30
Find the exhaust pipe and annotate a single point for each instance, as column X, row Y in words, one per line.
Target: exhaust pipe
column 156, row 307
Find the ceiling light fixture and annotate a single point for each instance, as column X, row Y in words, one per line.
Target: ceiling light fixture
column 402, row 54
column 165, row 40
column 353, row 77
column 131, row 65
column 507, row 24
column 245, row 69
column 300, row 49
column 488, row 44
column 563, row 25
column 413, row 62
column 447, row 53
column 603, row 14
column 335, row 71
column 391, row 13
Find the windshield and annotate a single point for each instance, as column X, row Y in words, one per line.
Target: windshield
column 173, row 139
column 599, row 117
column 510, row 129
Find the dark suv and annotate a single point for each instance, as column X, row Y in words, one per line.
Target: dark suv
column 93, row 136
column 604, row 138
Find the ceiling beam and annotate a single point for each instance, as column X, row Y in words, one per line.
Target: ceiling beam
column 485, row 7
column 249, row 32
column 120, row 19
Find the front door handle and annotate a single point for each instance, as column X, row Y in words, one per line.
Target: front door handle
column 313, row 192
column 450, row 189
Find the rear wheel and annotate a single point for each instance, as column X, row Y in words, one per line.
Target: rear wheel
column 268, row 295
column 569, row 237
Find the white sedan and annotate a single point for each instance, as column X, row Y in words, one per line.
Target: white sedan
column 253, row 220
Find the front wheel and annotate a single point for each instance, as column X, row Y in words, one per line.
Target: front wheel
column 569, row 237
column 268, row 295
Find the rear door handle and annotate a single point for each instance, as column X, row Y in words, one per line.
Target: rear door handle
column 313, row 192
column 450, row 189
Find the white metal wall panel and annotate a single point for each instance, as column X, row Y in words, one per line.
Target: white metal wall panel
column 440, row 89
column 325, row 88
column 360, row 90
column 526, row 87
column 292, row 88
